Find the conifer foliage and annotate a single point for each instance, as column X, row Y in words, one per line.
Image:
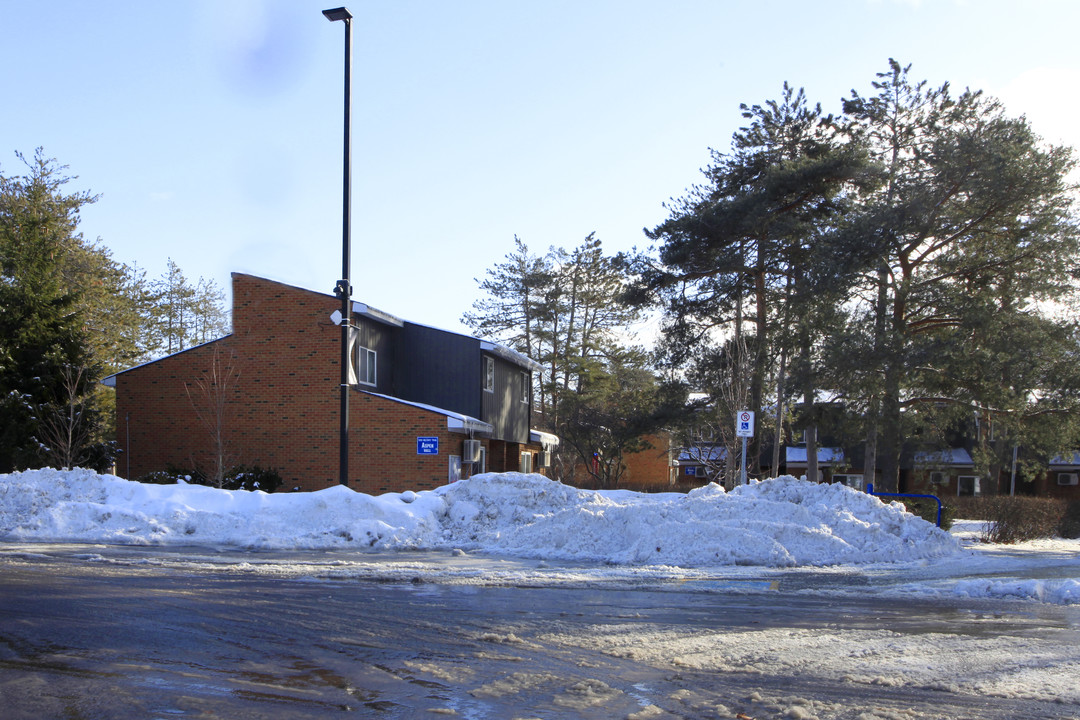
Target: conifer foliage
column 46, row 367
column 903, row 256
column 596, row 391
column 69, row 315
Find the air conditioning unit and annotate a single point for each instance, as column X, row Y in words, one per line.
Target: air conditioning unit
column 470, row 451
column 544, row 459
column 1068, row 479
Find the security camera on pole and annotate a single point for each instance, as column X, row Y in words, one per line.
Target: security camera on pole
column 744, row 428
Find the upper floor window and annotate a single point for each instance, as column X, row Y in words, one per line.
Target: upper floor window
column 525, row 387
column 365, row 365
column 489, row 374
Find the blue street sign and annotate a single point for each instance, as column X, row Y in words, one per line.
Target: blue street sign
column 427, row 446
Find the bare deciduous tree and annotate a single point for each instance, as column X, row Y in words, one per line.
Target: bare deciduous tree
column 64, row 425
column 209, row 397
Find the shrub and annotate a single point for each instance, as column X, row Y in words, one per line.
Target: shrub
column 1069, row 527
column 1016, row 519
column 928, row 510
column 974, row 507
column 160, row 477
column 242, row 477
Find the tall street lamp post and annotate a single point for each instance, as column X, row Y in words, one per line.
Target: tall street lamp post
column 344, row 287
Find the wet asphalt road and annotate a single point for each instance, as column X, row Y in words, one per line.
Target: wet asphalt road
column 135, row 638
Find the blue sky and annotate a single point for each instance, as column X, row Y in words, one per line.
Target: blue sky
column 212, row 128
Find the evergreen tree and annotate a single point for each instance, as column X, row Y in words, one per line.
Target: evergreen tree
column 45, row 361
column 183, row 315
column 971, row 203
column 563, row 310
column 758, row 234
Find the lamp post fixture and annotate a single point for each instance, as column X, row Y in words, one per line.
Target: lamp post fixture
column 344, row 286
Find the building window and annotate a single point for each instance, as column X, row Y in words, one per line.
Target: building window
column 365, row 365
column 852, row 481
column 968, row 485
column 489, row 374
column 939, row 478
column 525, row 387
column 526, row 462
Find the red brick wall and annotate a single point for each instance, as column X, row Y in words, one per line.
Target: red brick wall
column 649, row 469
column 283, row 412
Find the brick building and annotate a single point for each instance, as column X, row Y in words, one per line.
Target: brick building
column 429, row 406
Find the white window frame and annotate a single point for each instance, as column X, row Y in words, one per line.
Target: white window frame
column 525, row 463
column 367, row 365
column 489, row 374
column 526, row 387
column 852, row 480
column 975, row 485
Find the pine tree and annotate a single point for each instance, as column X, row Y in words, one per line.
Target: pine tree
column 45, row 361
column 758, row 235
column 971, row 201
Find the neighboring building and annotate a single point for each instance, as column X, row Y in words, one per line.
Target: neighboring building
column 830, row 463
column 701, row 463
column 946, row 473
column 1062, row 480
column 429, row 406
column 652, row 469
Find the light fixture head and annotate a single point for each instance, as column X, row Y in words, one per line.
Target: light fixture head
column 340, row 13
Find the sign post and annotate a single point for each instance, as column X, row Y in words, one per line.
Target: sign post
column 744, row 428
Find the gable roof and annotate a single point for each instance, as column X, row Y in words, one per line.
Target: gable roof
column 825, row 455
column 363, row 310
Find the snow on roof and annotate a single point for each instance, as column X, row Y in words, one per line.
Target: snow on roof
column 1070, row 460
column 545, row 439
column 946, row 456
column 825, row 455
column 367, row 311
column 703, row 453
column 510, row 355
column 455, row 421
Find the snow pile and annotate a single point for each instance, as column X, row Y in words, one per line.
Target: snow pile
column 780, row 523
column 783, row 523
column 1057, row 592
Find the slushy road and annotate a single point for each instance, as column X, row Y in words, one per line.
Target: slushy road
column 95, row 632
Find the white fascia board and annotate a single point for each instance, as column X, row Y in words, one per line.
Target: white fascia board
column 455, row 422
column 510, row 355
column 367, row 311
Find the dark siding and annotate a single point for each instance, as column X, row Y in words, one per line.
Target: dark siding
column 504, row 408
column 439, row 368
column 380, row 338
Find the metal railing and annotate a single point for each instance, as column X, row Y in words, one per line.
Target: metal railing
column 935, row 498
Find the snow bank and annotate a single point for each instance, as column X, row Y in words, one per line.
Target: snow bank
column 783, row 523
column 1057, row 592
